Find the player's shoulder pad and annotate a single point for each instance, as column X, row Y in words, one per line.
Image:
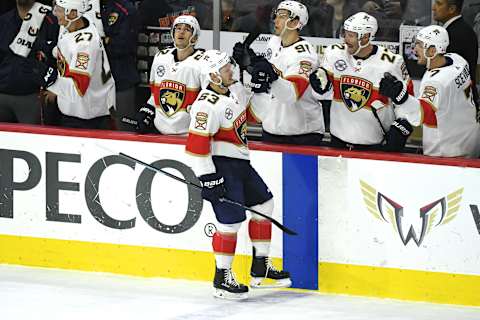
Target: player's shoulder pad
column 335, row 49
column 205, row 101
column 164, row 52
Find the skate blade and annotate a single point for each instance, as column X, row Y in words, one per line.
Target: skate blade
column 222, row 294
column 265, row 283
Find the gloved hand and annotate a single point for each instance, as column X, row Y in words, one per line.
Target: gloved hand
column 145, row 117
column 319, row 81
column 393, row 88
column 260, row 82
column 263, row 75
column 212, row 187
column 260, row 64
column 243, row 56
column 398, row 134
column 43, row 75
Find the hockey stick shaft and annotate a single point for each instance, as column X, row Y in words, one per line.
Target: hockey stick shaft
column 246, row 44
column 146, row 165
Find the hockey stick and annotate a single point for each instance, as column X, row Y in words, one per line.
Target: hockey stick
column 246, row 44
column 149, row 166
column 375, row 114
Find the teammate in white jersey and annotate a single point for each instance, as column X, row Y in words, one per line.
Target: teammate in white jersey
column 350, row 74
column 217, row 140
column 175, row 80
column 288, row 113
column 445, row 107
column 84, row 89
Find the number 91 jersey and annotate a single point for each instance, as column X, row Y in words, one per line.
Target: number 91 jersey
column 290, row 108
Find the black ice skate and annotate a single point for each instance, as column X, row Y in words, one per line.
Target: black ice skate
column 226, row 286
column 262, row 269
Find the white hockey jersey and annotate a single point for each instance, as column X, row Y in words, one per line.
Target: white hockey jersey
column 85, row 87
column 218, row 127
column 174, row 86
column 446, row 111
column 355, row 88
column 288, row 109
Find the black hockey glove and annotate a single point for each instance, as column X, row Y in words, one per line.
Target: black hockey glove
column 393, row 88
column 145, row 117
column 242, row 55
column 43, row 75
column 319, row 81
column 398, row 134
column 212, row 187
column 263, row 75
column 260, row 82
column 260, row 64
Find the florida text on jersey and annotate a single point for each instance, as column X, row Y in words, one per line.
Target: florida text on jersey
column 174, row 86
column 355, row 88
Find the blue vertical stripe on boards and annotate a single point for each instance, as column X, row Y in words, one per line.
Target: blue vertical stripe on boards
column 300, row 213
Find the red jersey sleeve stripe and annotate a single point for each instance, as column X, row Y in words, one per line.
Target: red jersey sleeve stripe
column 410, row 88
column 300, row 83
column 81, row 80
column 190, row 97
column 429, row 116
column 251, row 116
column 198, row 144
column 155, row 91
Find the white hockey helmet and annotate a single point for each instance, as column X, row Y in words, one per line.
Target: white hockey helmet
column 188, row 20
column 297, row 10
column 80, row 5
column 213, row 61
column 434, row 36
column 362, row 23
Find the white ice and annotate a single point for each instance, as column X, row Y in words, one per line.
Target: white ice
column 37, row 293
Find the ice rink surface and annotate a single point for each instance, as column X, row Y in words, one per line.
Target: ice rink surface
column 36, row 293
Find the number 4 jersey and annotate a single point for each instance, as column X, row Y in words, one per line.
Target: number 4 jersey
column 85, row 87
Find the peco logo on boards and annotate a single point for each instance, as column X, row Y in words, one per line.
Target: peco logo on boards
column 8, row 186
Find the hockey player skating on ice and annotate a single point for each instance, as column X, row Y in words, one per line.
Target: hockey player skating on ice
column 174, row 82
column 350, row 74
column 445, row 107
column 289, row 113
column 218, row 142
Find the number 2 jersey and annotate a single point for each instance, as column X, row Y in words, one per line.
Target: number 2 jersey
column 85, row 87
column 218, row 127
column 446, row 111
column 174, row 86
column 355, row 88
column 290, row 109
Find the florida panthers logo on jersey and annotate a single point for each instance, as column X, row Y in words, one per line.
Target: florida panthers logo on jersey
column 171, row 97
column 355, row 92
column 240, row 126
